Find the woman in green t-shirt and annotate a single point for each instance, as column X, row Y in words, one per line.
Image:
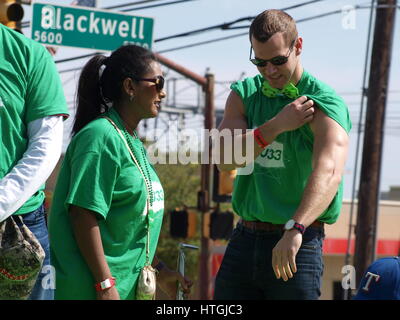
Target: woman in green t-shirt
column 98, row 223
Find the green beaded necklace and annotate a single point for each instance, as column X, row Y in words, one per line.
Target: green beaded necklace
column 147, row 177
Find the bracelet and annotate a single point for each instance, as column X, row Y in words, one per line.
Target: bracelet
column 105, row 284
column 160, row 265
column 260, row 139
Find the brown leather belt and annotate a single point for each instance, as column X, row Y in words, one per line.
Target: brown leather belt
column 266, row 226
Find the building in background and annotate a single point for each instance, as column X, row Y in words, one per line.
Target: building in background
column 335, row 244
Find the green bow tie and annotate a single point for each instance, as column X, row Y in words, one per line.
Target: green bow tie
column 288, row 90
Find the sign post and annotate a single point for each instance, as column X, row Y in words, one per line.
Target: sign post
column 82, row 27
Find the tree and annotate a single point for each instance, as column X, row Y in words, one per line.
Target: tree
column 180, row 183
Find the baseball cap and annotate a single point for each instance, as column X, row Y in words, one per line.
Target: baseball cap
column 381, row 281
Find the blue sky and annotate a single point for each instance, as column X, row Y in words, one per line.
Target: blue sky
column 331, row 52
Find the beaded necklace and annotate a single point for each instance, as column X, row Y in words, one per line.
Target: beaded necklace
column 128, row 144
column 147, row 179
column 147, row 171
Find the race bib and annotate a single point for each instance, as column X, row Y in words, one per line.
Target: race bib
column 272, row 156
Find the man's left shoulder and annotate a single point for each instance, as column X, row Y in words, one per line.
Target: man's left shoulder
column 320, row 87
column 329, row 102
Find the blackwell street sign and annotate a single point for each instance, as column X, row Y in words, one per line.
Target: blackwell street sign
column 83, row 27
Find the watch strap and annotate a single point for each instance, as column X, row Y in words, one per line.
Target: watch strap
column 299, row 227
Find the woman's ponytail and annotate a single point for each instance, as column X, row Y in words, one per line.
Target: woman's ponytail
column 90, row 101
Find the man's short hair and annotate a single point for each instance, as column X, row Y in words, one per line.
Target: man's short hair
column 270, row 22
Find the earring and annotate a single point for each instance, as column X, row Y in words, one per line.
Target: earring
column 131, row 98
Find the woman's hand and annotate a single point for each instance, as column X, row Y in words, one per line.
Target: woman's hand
column 108, row 294
column 167, row 280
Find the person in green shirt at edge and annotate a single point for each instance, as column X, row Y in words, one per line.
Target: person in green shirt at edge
column 299, row 127
column 32, row 111
column 98, row 223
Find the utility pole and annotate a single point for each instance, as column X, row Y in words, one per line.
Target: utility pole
column 207, row 83
column 368, row 199
column 204, row 195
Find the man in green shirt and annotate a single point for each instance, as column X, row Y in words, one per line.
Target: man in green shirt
column 301, row 139
column 32, row 110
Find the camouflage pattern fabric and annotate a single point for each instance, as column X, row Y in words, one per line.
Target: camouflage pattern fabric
column 21, row 259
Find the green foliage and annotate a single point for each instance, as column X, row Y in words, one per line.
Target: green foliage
column 181, row 184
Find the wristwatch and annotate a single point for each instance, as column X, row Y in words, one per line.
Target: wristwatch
column 291, row 224
column 105, row 284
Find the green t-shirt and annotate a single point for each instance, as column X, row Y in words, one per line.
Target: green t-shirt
column 99, row 174
column 274, row 189
column 30, row 89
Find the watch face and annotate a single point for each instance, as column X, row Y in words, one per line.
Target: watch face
column 290, row 224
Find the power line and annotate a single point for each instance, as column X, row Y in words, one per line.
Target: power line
column 353, row 93
column 203, row 42
column 323, row 15
column 156, row 5
column 246, row 33
column 227, row 25
column 69, row 70
column 389, row 102
column 217, row 39
column 351, row 229
column 326, row 14
column 27, row 23
column 129, row 4
column 76, row 58
column 233, row 36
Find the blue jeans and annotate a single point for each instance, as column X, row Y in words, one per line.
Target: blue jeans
column 44, row 287
column 246, row 270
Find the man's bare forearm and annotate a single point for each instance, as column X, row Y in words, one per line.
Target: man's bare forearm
column 319, row 192
column 291, row 117
column 229, row 161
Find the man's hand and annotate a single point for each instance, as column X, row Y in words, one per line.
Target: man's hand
column 284, row 254
column 294, row 115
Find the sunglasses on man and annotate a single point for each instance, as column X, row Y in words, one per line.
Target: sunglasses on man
column 158, row 81
column 276, row 61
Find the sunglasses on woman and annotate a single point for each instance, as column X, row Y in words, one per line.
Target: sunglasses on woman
column 158, row 81
column 276, row 61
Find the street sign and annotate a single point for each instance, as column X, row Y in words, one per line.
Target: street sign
column 82, row 27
